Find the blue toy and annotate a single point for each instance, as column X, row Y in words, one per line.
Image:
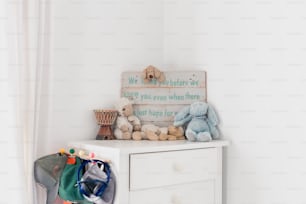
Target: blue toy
column 202, row 120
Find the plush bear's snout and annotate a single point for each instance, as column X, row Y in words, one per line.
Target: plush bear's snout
column 151, row 76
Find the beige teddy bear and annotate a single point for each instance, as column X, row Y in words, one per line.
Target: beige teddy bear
column 176, row 133
column 152, row 72
column 153, row 132
column 127, row 125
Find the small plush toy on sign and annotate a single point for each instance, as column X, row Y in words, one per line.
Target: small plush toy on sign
column 151, row 73
column 202, row 122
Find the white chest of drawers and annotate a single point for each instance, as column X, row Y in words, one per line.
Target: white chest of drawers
column 163, row 172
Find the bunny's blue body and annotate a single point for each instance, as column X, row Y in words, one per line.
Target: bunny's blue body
column 202, row 122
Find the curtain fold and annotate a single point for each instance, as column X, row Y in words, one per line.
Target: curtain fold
column 28, row 37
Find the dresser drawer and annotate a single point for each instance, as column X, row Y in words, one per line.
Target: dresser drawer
column 195, row 193
column 158, row 169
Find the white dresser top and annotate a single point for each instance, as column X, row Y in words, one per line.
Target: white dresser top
column 131, row 146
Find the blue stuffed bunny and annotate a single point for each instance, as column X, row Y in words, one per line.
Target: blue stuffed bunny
column 202, row 120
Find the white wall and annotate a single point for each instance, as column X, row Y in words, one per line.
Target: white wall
column 93, row 42
column 253, row 51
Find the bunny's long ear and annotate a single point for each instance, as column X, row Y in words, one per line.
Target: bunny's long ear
column 182, row 117
column 212, row 115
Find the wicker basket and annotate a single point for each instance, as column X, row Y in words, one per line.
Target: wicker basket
column 105, row 118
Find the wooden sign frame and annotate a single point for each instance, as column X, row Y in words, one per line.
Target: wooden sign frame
column 158, row 103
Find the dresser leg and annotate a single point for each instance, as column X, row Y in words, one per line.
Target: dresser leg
column 218, row 180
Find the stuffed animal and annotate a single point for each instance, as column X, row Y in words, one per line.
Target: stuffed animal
column 202, row 122
column 127, row 125
column 153, row 132
column 151, row 73
column 175, row 133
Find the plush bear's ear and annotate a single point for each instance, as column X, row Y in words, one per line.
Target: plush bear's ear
column 157, row 73
column 212, row 115
column 144, row 75
column 132, row 101
column 162, row 77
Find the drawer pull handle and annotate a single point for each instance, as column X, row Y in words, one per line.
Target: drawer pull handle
column 178, row 168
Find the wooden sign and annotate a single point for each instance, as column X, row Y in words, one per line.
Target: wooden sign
column 158, row 103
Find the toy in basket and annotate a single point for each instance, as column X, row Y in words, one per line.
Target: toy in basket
column 105, row 118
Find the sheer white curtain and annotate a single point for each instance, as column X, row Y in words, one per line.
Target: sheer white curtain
column 25, row 59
